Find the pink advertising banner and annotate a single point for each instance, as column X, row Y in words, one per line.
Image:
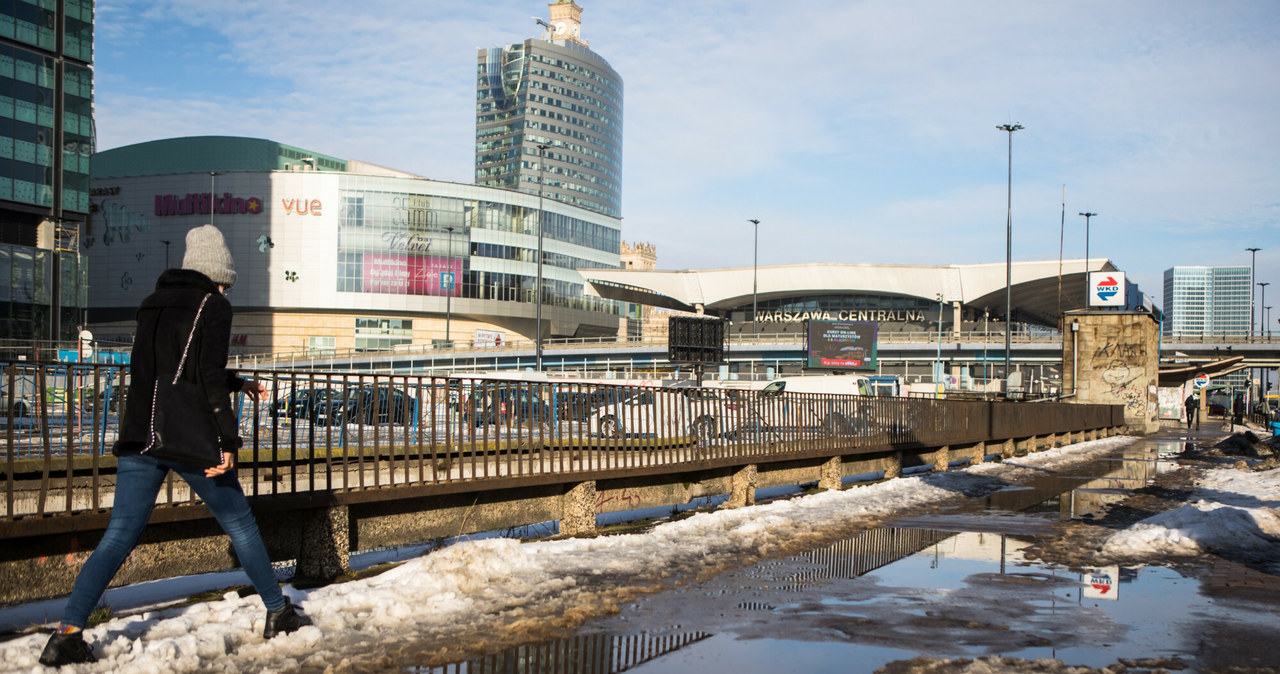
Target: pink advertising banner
column 410, row 274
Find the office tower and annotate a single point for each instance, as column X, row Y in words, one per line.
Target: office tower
column 556, row 93
column 1207, row 301
column 46, row 139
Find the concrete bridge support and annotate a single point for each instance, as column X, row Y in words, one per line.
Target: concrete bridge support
column 578, row 506
column 325, row 544
column 742, row 491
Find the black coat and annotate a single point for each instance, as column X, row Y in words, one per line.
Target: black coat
column 163, row 325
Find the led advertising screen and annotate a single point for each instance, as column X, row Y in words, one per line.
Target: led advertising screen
column 841, row 345
column 410, row 274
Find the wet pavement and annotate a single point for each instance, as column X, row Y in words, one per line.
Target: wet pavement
column 953, row 582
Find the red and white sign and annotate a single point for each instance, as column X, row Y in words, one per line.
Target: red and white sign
column 1103, row 583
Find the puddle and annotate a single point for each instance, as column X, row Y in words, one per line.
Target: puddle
column 948, row 584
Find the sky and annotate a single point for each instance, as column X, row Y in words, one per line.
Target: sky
column 856, row 131
column 457, row 589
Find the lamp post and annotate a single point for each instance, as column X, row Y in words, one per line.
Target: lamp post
column 986, row 334
column 448, row 297
column 538, row 286
column 213, row 194
column 166, row 252
column 1008, row 254
column 1262, row 303
column 755, row 268
column 937, row 365
column 1253, row 270
column 1086, row 216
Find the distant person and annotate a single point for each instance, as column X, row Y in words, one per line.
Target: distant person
column 1237, row 411
column 164, row 339
column 1193, row 407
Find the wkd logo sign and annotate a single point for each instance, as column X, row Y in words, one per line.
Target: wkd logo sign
column 1107, row 289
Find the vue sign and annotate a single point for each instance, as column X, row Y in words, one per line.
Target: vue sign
column 301, row 206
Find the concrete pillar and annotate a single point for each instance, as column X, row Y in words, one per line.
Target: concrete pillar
column 578, row 510
column 1114, row 355
column 324, row 551
column 742, row 491
column 831, row 474
column 894, row 467
column 979, row 453
column 1009, row 448
column 942, row 459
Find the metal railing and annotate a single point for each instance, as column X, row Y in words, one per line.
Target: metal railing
column 323, row 433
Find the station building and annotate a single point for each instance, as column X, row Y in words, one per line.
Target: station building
column 340, row 254
column 898, row 298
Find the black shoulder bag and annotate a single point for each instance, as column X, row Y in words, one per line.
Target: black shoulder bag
column 183, row 429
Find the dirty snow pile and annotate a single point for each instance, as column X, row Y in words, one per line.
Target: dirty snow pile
column 1230, row 511
column 481, row 586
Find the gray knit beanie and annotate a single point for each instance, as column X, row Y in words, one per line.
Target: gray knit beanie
column 207, row 253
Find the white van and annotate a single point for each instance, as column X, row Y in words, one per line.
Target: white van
column 847, row 384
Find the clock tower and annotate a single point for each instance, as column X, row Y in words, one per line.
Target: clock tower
column 566, row 22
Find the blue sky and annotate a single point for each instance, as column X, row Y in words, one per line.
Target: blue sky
column 855, row 131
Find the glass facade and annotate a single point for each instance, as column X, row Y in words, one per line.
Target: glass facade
column 46, row 140
column 395, row 241
column 1207, row 300
column 561, row 95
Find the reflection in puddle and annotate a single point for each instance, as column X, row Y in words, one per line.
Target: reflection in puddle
column 588, row 654
column 952, row 584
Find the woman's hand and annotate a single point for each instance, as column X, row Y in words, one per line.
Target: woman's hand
column 228, row 462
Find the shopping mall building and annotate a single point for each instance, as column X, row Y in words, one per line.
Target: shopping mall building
column 339, row 254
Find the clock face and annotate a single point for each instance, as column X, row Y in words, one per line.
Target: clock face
column 560, row 27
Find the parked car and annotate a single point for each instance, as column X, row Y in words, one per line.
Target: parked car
column 372, row 405
column 659, row 413
column 508, row 404
column 315, row 404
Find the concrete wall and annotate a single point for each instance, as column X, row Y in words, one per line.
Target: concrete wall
column 1111, row 357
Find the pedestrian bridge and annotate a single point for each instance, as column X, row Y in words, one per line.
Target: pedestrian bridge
column 341, row 463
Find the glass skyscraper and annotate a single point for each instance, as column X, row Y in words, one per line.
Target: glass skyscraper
column 1207, row 300
column 46, row 139
column 556, row 93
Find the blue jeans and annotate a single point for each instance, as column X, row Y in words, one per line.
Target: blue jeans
column 138, row 481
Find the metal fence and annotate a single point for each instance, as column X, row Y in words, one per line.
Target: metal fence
column 321, row 433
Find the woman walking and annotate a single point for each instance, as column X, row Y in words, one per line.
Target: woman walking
column 183, row 333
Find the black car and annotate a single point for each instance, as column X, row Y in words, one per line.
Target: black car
column 372, row 405
column 317, row 405
column 502, row 405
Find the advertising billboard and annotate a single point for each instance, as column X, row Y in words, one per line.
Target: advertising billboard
column 409, row 274
column 841, row 345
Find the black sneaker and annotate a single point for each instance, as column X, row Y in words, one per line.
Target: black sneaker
column 287, row 619
column 66, row 649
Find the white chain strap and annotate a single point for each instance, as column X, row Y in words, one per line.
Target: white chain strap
column 155, row 386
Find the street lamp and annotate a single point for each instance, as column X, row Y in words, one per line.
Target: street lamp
column 1008, row 254
column 1262, row 303
column 1086, row 255
column 448, row 297
column 538, row 286
column 1253, row 262
column 937, row 365
column 755, row 267
column 166, row 252
column 213, row 194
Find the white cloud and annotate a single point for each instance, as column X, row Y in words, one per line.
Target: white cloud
column 867, row 128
